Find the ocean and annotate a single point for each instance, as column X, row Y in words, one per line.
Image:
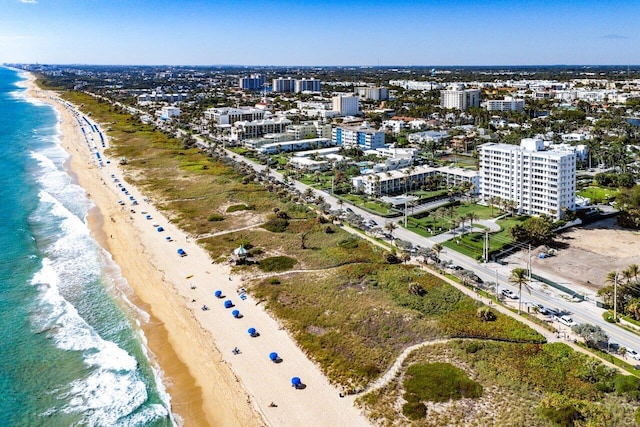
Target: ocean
column 71, row 348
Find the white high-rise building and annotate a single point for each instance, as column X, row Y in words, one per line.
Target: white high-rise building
column 284, row 84
column 346, row 105
column 506, row 104
column 538, row 181
column 307, row 85
column 460, row 98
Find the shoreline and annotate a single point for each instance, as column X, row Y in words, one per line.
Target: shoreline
column 208, row 384
column 190, row 403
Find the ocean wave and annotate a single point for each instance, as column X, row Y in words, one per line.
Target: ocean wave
column 112, row 390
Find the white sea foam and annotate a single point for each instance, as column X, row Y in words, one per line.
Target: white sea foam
column 113, row 389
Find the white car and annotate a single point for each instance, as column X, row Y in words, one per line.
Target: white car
column 633, row 354
column 566, row 320
column 509, row 293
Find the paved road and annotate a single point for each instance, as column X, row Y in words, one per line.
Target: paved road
column 581, row 312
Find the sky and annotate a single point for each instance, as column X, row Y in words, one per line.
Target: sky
column 320, row 32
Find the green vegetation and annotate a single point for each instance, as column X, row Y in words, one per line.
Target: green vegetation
column 599, row 194
column 472, row 244
column 524, row 384
column 355, row 312
column 435, row 382
column 236, row 208
column 356, row 319
column 277, row 263
column 629, row 203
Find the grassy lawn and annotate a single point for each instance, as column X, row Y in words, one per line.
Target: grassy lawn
column 599, row 194
column 472, row 244
column 439, row 224
column 372, row 205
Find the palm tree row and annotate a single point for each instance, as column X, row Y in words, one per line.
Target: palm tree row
column 623, row 291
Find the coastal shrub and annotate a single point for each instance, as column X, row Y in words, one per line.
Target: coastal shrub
column 414, row 410
column 215, row 217
column 276, row 225
column 565, row 415
column 627, row 384
column 438, row 382
column 350, row 242
column 277, row 263
column 236, row 208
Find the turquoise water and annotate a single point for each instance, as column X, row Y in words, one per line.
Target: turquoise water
column 71, row 352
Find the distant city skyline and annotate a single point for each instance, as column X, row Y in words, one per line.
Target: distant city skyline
column 329, row 32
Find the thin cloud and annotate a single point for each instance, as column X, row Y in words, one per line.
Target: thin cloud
column 13, row 37
column 29, row 1
column 614, row 36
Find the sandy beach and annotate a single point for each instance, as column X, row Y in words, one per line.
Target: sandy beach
column 207, row 382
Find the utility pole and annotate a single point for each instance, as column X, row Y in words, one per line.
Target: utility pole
column 485, row 249
column 405, row 213
column 529, row 262
column 496, row 284
column 615, row 296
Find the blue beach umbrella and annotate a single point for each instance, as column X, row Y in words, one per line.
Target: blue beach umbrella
column 235, row 313
column 218, row 294
column 252, row 331
column 273, row 356
column 295, row 381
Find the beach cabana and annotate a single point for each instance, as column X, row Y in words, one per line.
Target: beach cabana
column 236, row 314
column 181, row 252
column 228, row 304
column 160, row 229
column 252, row 332
column 296, row 382
column 218, row 294
column 168, row 238
column 273, row 356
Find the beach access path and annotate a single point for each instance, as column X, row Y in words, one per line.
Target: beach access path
column 234, row 389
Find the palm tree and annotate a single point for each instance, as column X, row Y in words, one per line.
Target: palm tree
column 390, row 226
column 437, row 248
column 634, row 270
column 519, row 277
column 613, row 277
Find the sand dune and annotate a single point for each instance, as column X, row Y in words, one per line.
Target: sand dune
column 209, row 385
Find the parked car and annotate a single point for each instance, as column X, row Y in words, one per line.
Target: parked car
column 509, row 293
column 633, row 354
column 566, row 320
column 547, row 311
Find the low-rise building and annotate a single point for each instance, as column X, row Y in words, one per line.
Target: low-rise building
column 364, row 137
column 230, row 115
column 409, row 179
column 254, row 129
column 169, row 112
column 290, row 146
column 506, row 104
